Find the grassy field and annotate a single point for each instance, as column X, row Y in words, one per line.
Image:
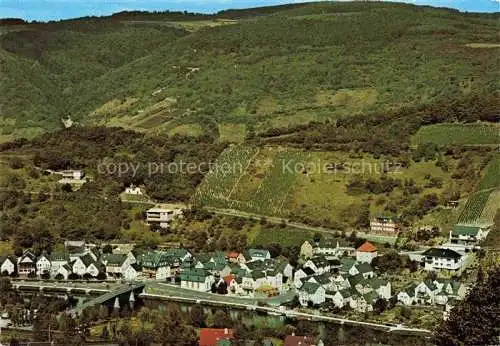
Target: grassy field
column 300, row 185
column 459, row 134
column 284, row 236
column 232, row 132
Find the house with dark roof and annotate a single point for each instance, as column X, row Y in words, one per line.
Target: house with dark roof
column 365, row 269
column 26, row 264
column 442, row 259
column 257, row 255
column 343, row 297
column 7, row 265
column 116, row 264
column 197, row 279
column 468, row 234
column 156, row 265
column 311, row 292
column 57, row 260
column 319, row 264
column 300, row 274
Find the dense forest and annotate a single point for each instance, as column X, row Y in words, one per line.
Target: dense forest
column 261, row 68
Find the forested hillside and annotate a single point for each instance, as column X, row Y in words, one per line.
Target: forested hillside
column 241, row 72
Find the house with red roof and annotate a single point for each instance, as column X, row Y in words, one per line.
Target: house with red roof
column 366, row 252
column 213, row 336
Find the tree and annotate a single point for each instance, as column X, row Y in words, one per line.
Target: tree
column 474, row 321
column 380, row 305
column 363, row 220
column 221, row 319
column 317, row 237
column 197, row 316
column 107, row 249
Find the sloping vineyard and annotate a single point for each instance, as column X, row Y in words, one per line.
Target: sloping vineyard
column 483, row 204
column 216, row 188
column 260, row 183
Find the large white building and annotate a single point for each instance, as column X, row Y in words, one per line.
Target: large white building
column 162, row 217
column 440, row 258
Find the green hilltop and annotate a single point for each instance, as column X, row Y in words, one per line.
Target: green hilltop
column 241, row 72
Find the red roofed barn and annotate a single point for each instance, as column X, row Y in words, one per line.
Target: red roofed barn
column 366, row 252
column 212, row 336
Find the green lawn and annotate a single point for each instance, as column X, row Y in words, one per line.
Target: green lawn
column 468, row 134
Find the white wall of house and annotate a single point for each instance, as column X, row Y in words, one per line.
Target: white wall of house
column 92, row 270
column 7, row 266
column 65, row 273
column 55, row 265
column 79, row 267
column 384, row 291
column 162, row 273
column 130, row 273
column 299, row 274
column 365, row 257
column 438, row 263
column 42, row 265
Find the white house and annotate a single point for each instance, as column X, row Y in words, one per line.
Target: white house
column 258, row 254
column 116, row 264
column 343, row 297
column 43, row 264
column 133, row 190
column 311, row 292
column 64, row 271
column 57, row 260
column 197, row 279
column 440, row 258
column 300, row 274
column 366, row 252
column 162, row 217
column 132, row 272
column 306, row 250
column 7, row 265
column 319, row 265
column 26, row 264
column 469, row 234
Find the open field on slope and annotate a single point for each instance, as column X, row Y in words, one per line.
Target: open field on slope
column 256, row 181
column 467, row 134
column 303, row 186
column 482, row 206
column 315, row 62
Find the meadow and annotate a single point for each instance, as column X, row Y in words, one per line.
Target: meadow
column 458, row 134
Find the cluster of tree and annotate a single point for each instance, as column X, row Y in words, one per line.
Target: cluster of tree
column 474, row 320
column 392, row 262
column 384, row 184
column 387, row 132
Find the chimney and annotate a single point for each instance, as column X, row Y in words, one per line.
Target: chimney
column 226, row 331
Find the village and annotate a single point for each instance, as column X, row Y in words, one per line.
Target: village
column 328, row 276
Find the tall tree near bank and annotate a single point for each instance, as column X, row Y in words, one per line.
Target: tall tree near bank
column 476, row 319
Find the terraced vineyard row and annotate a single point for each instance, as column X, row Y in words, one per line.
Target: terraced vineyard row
column 483, row 204
column 261, row 186
column 216, row 188
column 474, row 207
column 491, row 178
